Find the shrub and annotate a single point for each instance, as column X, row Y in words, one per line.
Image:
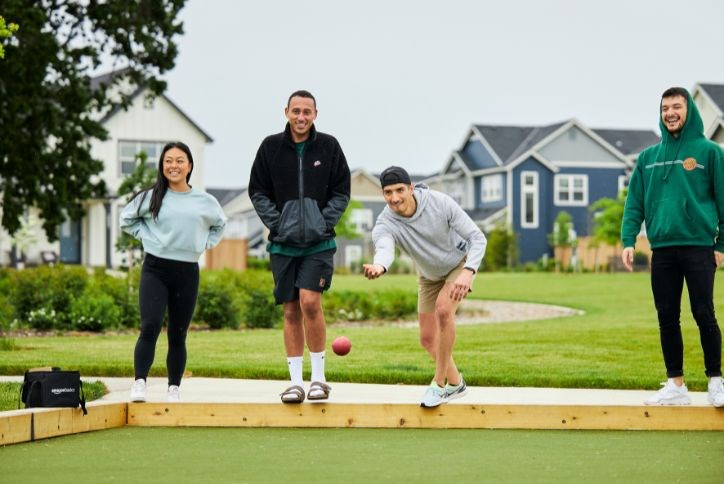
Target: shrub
column 123, row 290
column 42, row 319
column 215, row 305
column 255, row 264
column 47, row 287
column 94, row 311
column 359, row 306
column 260, row 310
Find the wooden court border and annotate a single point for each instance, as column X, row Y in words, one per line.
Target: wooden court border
column 28, row 425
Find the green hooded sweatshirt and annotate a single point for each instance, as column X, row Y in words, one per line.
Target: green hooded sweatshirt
column 677, row 187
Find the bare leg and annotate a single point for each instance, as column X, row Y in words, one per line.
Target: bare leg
column 445, row 308
column 293, row 329
column 315, row 327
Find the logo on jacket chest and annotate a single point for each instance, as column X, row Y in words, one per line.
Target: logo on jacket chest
column 317, row 163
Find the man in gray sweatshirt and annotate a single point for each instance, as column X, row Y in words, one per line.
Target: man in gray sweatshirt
column 447, row 248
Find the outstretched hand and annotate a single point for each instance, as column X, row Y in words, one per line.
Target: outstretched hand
column 373, row 271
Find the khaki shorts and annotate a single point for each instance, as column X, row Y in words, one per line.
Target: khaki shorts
column 428, row 290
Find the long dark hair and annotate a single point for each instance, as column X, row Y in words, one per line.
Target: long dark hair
column 158, row 190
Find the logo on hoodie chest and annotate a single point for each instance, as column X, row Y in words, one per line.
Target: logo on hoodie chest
column 689, row 164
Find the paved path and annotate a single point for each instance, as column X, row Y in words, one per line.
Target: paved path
column 228, row 390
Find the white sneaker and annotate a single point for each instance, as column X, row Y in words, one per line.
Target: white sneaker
column 434, row 396
column 716, row 392
column 670, row 394
column 173, row 394
column 138, row 391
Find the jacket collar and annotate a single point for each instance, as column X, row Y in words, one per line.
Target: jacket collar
column 288, row 134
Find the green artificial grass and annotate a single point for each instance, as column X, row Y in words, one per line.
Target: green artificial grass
column 133, row 454
column 615, row 344
column 10, row 391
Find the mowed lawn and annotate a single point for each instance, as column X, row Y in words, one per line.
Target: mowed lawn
column 615, row 344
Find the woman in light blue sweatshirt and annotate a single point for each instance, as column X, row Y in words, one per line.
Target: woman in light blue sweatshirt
column 175, row 223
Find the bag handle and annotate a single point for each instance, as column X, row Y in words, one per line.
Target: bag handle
column 82, row 398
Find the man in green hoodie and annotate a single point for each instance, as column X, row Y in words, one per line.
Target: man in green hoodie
column 677, row 188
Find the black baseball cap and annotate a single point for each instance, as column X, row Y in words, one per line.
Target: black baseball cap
column 394, row 175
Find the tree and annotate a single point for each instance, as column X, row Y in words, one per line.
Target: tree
column 607, row 217
column 50, row 109
column 6, row 32
column 561, row 238
column 345, row 228
column 142, row 177
column 502, row 249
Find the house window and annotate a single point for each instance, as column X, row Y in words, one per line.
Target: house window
column 571, row 190
column 491, row 188
column 529, row 199
column 361, row 219
column 352, row 254
column 622, row 183
column 129, row 150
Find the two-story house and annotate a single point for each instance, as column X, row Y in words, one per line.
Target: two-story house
column 523, row 176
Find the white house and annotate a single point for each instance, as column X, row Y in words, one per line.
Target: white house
column 145, row 126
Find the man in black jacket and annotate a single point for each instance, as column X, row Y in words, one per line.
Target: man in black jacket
column 299, row 186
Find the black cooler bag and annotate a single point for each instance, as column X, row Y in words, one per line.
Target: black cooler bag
column 52, row 387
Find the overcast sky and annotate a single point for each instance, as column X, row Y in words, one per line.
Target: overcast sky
column 400, row 82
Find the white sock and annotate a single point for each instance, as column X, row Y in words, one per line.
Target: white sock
column 295, row 369
column 318, row 366
column 714, row 380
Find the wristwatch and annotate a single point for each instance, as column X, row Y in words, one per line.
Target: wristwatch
column 470, row 269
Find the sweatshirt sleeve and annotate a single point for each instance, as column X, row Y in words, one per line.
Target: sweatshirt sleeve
column 633, row 212
column 461, row 223
column 717, row 175
column 216, row 230
column 384, row 244
column 132, row 220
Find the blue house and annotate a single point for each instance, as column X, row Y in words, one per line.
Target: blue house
column 523, row 176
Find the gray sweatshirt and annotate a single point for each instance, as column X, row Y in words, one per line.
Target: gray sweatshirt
column 188, row 223
column 437, row 236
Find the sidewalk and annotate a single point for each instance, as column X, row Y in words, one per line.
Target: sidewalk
column 227, row 390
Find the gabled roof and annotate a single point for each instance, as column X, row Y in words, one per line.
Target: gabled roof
column 225, row 195
column 628, row 141
column 510, row 143
column 715, row 93
column 535, row 136
column 504, row 140
column 108, row 77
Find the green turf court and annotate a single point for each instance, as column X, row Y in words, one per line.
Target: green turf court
column 366, row 455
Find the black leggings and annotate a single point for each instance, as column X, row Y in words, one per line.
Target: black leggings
column 172, row 284
column 670, row 266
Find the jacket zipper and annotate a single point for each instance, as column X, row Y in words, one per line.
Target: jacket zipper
column 301, row 201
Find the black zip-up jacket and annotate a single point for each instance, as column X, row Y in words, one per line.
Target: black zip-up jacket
column 300, row 200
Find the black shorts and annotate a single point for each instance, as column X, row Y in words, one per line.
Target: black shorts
column 312, row 272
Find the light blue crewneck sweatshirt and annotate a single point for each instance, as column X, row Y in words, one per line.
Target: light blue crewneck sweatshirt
column 187, row 224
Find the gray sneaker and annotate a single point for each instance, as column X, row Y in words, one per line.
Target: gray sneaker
column 456, row 391
column 434, row 396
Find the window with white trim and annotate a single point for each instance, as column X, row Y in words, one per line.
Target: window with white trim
column 571, row 190
column 529, row 199
column 129, row 150
column 491, row 188
column 361, row 219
